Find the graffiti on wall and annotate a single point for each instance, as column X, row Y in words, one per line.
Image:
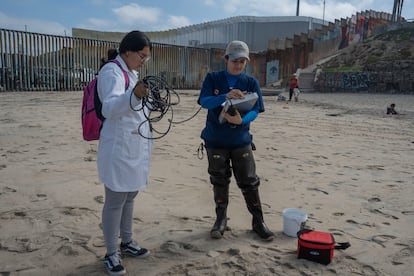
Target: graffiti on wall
column 357, row 80
column 272, row 71
column 347, row 81
column 365, row 81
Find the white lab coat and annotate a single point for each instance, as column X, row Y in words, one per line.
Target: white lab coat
column 123, row 154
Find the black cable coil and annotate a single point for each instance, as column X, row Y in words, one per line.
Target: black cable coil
column 159, row 102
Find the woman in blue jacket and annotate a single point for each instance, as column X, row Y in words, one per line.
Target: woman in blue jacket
column 228, row 142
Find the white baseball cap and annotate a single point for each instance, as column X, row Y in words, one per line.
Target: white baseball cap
column 237, row 49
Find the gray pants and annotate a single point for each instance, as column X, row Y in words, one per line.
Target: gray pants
column 117, row 215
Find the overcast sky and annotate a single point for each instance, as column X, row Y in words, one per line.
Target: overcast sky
column 60, row 16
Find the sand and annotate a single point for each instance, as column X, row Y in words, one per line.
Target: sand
column 336, row 156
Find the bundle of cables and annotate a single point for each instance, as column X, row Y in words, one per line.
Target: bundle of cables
column 159, row 102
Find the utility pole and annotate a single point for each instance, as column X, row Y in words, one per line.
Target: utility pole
column 297, row 8
column 397, row 10
column 323, row 19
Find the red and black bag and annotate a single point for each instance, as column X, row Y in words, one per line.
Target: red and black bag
column 318, row 246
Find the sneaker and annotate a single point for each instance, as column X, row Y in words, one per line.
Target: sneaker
column 133, row 249
column 113, row 264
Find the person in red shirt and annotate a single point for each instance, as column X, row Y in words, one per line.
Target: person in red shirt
column 293, row 83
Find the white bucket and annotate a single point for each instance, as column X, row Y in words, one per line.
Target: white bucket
column 293, row 221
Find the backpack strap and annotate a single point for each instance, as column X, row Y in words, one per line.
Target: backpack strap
column 97, row 101
column 123, row 71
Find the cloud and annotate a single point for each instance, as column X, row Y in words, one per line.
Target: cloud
column 209, row 2
column 134, row 14
column 231, row 6
column 256, row 7
column 149, row 17
column 338, row 11
column 312, row 8
column 100, row 23
column 33, row 25
column 178, row 21
column 271, row 8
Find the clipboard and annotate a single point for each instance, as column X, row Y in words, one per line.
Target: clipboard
column 242, row 105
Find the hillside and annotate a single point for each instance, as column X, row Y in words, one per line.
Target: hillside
column 392, row 46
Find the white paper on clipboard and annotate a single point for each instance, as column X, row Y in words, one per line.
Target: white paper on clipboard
column 242, row 105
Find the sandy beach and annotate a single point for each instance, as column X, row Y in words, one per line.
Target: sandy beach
column 338, row 156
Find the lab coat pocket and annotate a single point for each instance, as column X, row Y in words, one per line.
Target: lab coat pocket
column 127, row 145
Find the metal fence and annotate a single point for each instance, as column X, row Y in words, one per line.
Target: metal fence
column 41, row 62
column 36, row 62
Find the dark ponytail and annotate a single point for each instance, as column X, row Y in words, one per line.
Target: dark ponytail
column 134, row 41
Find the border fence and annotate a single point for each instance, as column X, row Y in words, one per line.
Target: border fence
column 42, row 62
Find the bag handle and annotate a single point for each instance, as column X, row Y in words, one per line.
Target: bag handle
column 304, row 230
column 342, row 245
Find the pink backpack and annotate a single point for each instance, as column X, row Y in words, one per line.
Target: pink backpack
column 92, row 118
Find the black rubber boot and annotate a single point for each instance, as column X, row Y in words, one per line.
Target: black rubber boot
column 255, row 208
column 221, row 198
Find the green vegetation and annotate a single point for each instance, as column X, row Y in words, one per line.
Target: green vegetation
column 373, row 59
column 355, row 68
column 389, row 47
column 403, row 34
column 397, row 35
column 405, row 53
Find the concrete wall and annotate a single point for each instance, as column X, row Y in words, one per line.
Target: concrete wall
column 397, row 77
column 97, row 35
column 255, row 31
column 305, row 49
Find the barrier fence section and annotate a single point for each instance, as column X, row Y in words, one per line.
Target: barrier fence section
column 42, row 62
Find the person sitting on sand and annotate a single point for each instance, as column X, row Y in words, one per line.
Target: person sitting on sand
column 391, row 109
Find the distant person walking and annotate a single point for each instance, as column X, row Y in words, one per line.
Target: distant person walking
column 293, row 83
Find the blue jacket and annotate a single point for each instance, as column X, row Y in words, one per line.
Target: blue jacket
column 212, row 95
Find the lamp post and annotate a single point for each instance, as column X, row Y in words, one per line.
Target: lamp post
column 297, row 8
column 323, row 19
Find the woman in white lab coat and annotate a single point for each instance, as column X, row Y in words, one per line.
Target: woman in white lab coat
column 124, row 151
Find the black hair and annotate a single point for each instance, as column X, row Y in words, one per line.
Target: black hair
column 112, row 53
column 134, row 41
